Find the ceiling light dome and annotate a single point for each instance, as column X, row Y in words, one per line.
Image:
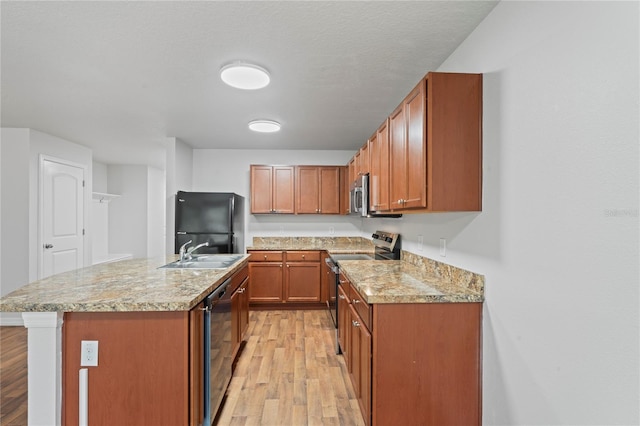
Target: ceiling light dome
column 246, row 76
column 264, row 126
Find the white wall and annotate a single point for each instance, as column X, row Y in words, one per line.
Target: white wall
column 128, row 214
column 99, row 177
column 22, row 149
column 179, row 168
column 557, row 238
column 14, row 192
column 137, row 216
column 227, row 170
column 156, row 217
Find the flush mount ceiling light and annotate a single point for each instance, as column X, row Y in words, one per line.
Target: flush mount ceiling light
column 264, row 126
column 246, row 76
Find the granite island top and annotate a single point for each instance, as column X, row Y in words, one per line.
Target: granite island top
column 414, row 279
column 127, row 286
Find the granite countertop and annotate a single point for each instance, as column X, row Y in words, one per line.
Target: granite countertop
column 413, row 279
column 128, row 285
column 393, row 281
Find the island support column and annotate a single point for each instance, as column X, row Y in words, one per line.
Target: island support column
column 44, row 367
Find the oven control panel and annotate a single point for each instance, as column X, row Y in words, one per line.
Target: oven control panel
column 386, row 240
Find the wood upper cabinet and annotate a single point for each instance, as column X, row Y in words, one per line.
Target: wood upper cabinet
column 364, row 164
column 379, row 169
column 408, row 152
column 272, row 189
column 435, row 139
column 318, row 189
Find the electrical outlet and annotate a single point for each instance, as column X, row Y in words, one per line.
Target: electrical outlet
column 443, row 247
column 420, row 242
column 89, row 353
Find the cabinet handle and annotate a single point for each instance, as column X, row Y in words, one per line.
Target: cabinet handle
column 281, row 265
column 288, row 266
column 355, row 301
column 265, row 257
column 355, row 323
column 342, row 282
column 342, row 297
column 303, row 256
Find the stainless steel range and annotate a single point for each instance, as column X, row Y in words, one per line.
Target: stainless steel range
column 387, row 247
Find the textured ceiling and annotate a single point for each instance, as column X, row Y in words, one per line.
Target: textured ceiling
column 119, row 77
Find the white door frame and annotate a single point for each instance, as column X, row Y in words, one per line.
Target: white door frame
column 42, row 159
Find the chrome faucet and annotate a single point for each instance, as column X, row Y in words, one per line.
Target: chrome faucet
column 192, row 249
column 183, row 250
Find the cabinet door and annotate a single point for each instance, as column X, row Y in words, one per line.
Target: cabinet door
column 354, row 353
column 244, row 309
column 303, row 282
column 235, row 321
column 266, row 282
column 397, row 158
column 196, row 364
column 416, row 172
column 344, row 190
column 344, row 325
column 408, row 151
column 261, row 189
column 364, row 363
column 329, row 190
column 382, row 175
column 364, row 159
column 307, row 189
column 283, row 189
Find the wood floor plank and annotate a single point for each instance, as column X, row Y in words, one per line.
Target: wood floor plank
column 304, row 381
column 13, row 376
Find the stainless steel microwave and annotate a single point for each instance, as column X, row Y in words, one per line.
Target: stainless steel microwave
column 359, row 196
column 359, row 199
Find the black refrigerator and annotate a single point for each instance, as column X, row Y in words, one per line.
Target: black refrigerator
column 214, row 217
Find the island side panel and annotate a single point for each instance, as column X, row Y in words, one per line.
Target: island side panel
column 142, row 375
column 427, row 364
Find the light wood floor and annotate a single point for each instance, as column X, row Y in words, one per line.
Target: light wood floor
column 288, row 374
column 13, row 376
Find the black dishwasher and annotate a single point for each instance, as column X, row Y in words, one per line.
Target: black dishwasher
column 217, row 349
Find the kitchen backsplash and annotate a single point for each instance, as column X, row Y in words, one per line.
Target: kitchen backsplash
column 461, row 277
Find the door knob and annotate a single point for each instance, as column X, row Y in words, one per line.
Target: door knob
column 48, row 246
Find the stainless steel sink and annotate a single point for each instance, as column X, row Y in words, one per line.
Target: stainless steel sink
column 206, row 261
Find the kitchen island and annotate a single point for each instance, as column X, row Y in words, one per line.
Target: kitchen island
column 133, row 294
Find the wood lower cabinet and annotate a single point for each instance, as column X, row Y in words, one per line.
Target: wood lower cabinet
column 239, row 310
column 272, row 189
column 284, row 277
column 266, row 273
column 412, row 363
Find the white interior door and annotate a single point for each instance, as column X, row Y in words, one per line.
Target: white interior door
column 62, row 218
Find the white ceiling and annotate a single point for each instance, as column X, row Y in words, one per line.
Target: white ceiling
column 120, row 77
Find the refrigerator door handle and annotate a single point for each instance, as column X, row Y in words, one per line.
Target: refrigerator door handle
column 181, row 233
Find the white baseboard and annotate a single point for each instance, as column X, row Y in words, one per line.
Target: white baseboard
column 11, row 319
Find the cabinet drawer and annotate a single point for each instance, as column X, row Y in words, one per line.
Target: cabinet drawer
column 362, row 307
column 266, row 256
column 303, row 256
column 238, row 278
column 345, row 284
